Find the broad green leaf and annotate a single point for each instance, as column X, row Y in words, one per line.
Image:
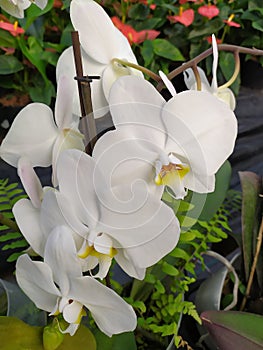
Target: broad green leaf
column 234, row 330
column 214, row 26
column 169, row 269
column 139, row 12
column 34, row 12
column 7, row 40
column 147, row 52
column 211, row 202
column 33, row 50
column 116, row 342
column 10, row 65
column 251, row 185
column 164, row 48
column 17, row 335
column 258, row 25
column 227, row 66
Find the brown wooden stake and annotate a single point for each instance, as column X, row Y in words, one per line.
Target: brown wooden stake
column 87, row 122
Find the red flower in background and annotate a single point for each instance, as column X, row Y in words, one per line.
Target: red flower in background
column 145, row 2
column 209, row 40
column 12, row 28
column 231, row 23
column 208, row 11
column 185, row 17
column 181, row 2
column 131, row 34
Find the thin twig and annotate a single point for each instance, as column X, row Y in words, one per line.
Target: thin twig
column 253, row 267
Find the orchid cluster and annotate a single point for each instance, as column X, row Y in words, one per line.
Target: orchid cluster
column 108, row 206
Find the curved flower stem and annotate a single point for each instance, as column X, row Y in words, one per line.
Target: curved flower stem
column 230, row 267
column 142, row 69
column 253, row 267
column 235, row 74
column 236, row 50
column 8, row 222
column 197, row 77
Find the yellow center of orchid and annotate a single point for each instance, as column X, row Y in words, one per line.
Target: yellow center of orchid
column 170, row 173
column 91, row 251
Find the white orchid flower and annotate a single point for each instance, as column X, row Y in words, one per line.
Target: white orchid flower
column 225, row 94
column 129, row 224
column 35, row 134
column 102, row 44
column 16, row 7
column 57, row 286
column 180, row 143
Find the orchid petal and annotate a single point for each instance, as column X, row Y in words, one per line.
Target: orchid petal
column 41, row 3
column 28, row 220
column 61, row 256
column 113, row 72
column 35, row 279
column 16, row 10
column 147, row 232
column 228, row 97
column 32, row 135
column 76, row 172
column 111, row 313
column 129, row 266
column 190, row 80
column 199, row 182
column 102, row 44
column 214, row 84
column 202, row 129
column 66, row 66
column 30, row 181
column 56, row 210
column 167, row 83
column 71, row 312
column 135, row 103
column 126, row 159
column 63, row 106
column 104, row 266
column 67, row 139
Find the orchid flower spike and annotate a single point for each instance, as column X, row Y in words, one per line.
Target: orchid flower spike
column 16, row 7
column 224, row 94
column 35, row 134
column 127, row 224
column 102, row 43
column 58, row 287
column 180, row 144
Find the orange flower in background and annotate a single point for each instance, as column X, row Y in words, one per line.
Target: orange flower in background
column 231, row 23
column 208, row 11
column 12, row 28
column 131, row 34
column 185, row 17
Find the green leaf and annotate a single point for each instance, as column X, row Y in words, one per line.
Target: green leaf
column 227, row 65
column 169, row 269
column 139, row 12
column 6, row 39
column 116, row 342
column 33, row 50
column 214, row 26
column 234, row 330
column 10, row 65
column 34, row 12
column 164, row 48
column 211, row 202
column 147, row 52
column 251, row 188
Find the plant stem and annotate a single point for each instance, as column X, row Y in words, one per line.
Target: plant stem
column 236, row 50
column 235, row 74
column 87, row 122
column 8, row 222
column 142, row 69
column 253, row 267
